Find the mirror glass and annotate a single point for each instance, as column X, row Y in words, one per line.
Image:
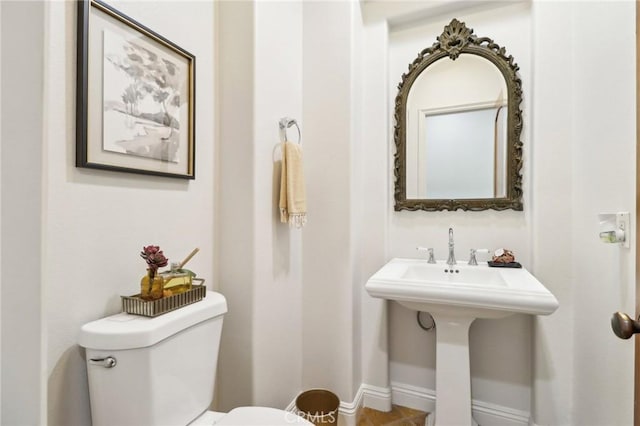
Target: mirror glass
column 458, row 127
column 457, row 110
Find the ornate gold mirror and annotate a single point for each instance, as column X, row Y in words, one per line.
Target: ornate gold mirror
column 458, row 125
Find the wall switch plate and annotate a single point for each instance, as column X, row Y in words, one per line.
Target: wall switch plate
column 623, row 222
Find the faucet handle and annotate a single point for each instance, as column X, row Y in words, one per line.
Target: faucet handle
column 472, row 255
column 430, row 251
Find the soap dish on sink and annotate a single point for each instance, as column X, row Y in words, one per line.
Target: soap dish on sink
column 504, row 265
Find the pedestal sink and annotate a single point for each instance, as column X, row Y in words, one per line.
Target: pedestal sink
column 455, row 298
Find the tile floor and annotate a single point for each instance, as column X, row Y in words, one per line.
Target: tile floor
column 398, row 416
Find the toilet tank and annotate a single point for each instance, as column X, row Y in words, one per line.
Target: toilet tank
column 165, row 367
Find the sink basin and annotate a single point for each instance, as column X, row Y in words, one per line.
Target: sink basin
column 455, row 298
column 478, row 291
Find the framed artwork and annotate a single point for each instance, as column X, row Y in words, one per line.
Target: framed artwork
column 135, row 107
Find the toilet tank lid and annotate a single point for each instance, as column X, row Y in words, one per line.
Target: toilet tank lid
column 126, row 331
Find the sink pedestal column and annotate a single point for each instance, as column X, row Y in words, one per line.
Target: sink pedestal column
column 453, row 377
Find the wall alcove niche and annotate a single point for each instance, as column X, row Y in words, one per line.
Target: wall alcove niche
column 457, row 127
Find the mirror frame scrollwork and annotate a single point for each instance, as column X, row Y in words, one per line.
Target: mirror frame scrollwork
column 456, row 39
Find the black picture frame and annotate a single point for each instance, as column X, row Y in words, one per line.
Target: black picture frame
column 135, row 96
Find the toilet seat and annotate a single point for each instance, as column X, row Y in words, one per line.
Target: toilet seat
column 207, row 418
column 251, row 416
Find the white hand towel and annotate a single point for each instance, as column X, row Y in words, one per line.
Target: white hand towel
column 293, row 200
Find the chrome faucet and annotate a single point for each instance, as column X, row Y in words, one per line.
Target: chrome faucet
column 451, row 261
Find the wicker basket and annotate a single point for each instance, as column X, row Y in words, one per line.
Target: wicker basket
column 152, row 308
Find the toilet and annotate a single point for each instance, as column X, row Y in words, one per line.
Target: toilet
column 161, row 371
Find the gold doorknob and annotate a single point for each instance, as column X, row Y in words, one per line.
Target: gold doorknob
column 624, row 326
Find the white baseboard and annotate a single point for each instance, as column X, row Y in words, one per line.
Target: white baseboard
column 413, row 397
column 423, row 399
column 484, row 413
column 376, row 397
column 349, row 410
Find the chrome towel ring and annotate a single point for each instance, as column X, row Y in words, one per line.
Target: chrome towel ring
column 286, row 123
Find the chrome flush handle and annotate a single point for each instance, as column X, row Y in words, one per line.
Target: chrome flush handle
column 107, row 362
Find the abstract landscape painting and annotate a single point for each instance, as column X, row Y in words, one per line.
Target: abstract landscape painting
column 141, row 100
column 135, row 96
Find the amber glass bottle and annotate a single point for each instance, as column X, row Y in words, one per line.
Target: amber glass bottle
column 151, row 286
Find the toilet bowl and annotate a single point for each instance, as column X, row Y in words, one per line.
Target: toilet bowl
column 161, row 371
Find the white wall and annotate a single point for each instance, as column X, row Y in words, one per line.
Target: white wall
column 0, row 220
column 96, row 222
column 328, row 297
column 294, row 313
column 278, row 271
column 373, row 195
column 605, row 128
column 553, row 384
column 260, row 58
column 234, row 199
column 582, row 370
column 23, row 385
